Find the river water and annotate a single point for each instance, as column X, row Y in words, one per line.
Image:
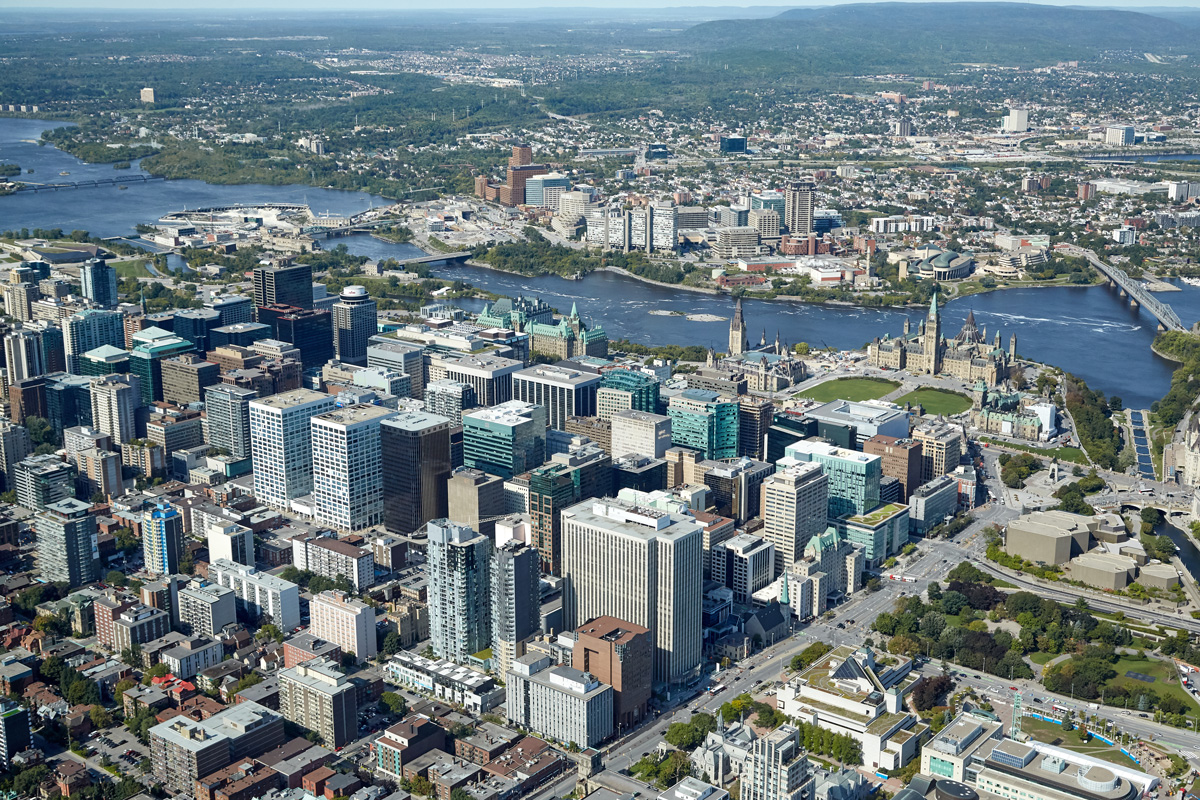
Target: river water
column 1086, row 331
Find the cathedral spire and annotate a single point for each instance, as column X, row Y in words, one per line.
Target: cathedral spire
column 737, row 331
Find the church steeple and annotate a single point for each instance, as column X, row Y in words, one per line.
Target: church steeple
column 737, row 331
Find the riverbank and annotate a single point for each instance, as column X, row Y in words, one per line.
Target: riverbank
column 1168, row 356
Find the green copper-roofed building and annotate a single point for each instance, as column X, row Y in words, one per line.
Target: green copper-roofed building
column 705, row 421
column 151, row 346
column 104, row 360
column 853, row 476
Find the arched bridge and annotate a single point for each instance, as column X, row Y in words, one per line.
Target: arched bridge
column 1129, row 287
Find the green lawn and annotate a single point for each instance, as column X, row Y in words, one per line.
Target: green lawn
column 130, row 269
column 1041, row 658
column 1071, row 454
column 1165, row 675
column 1053, row 734
column 937, row 401
column 851, row 389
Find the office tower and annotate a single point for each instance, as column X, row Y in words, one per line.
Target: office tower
column 68, row 401
column 162, row 539
column 354, row 322
column 765, row 221
column 311, row 331
column 27, row 398
column 544, row 191
column 490, row 376
column 505, row 440
column 89, row 329
column 777, row 768
column 404, row 357
column 620, row 654
column 151, row 347
column 754, row 420
column 348, row 467
column 332, row 558
column 115, row 401
column 705, row 421
column 228, row 411
column 289, row 285
column 795, row 501
column 185, row 378
column 103, row 360
column 416, row 468
column 640, row 432
column 516, row 601
column 853, row 476
column 42, row 480
column 522, row 155
column 563, row 392
column 459, row 567
column 475, row 499
column 281, row 444
column 315, row 695
column 196, row 325
column 743, row 564
column 736, row 487
column 449, row 398
column 15, row 447
column 558, row 702
column 231, row 542
column 206, row 608
column 232, row 308
column 1119, row 135
column 23, row 355
column 900, row 459
column 798, row 202
column 19, row 299
column 53, row 353
column 348, row 623
column 99, row 282
column 1017, row 120
column 16, row 736
column 66, row 543
column 642, row 388
column 941, row 448
column 639, row 565
column 260, row 595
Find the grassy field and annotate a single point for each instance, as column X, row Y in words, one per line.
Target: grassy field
column 1166, row 679
column 130, row 269
column 1071, row 454
column 851, row 389
column 1051, row 733
column 937, row 401
column 1041, row 658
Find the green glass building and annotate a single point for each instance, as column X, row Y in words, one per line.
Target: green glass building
column 705, row 421
column 505, row 440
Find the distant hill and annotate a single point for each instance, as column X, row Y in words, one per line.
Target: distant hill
column 913, row 36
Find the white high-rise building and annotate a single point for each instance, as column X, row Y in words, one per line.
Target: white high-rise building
column 115, row 401
column 459, row 568
column 798, row 204
column 23, row 354
column 348, row 467
column 1119, row 135
column 563, row 392
column 281, row 444
column 641, row 565
column 348, row 623
column 1017, row 120
column 268, row 597
column 795, row 508
column 206, row 608
column 640, row 432
column 230, row 541
column 516, row 601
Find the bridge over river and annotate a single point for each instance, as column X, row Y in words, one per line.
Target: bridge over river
column 1139, row 296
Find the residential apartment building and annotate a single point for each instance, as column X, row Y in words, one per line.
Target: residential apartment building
column 459, row 567
column 330, row 557
column 344, row 621
column 794, row 505
column 281, row 444
column 317, row 696
column 348, row 467
column 206, row 608
column 515, row 601
column 558, row 702
column 115, row 401
column 621, row 655
column 66, row 543
column 228, row 412
column 258, row 594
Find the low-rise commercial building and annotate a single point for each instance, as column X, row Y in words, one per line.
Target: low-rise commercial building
column 560, row 702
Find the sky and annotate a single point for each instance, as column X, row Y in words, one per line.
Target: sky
column 492, row 5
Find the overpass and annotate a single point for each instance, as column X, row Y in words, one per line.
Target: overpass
column 461, row 255
column 1138, row 296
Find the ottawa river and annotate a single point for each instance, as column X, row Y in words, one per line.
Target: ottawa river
column 1086, row 331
